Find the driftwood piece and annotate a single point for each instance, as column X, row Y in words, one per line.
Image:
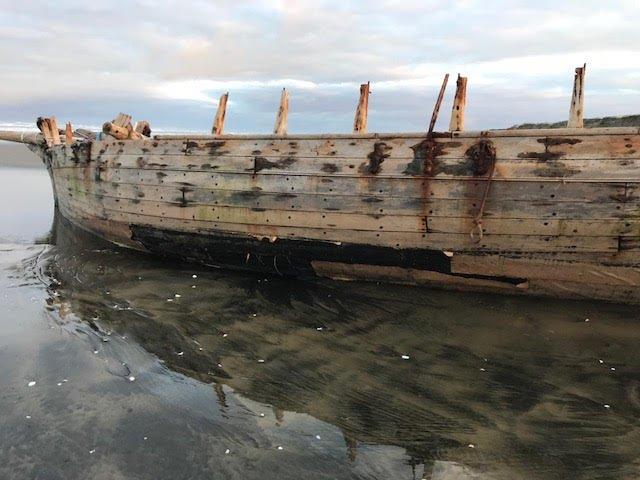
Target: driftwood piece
column 360, row 120
column 143, row 128
column 436, row 108
column 121, row 128
column 218, row 122
column 280, row 127
column 576, row 112
column 459, row 104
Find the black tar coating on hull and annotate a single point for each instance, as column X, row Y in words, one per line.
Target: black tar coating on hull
column 283, row 256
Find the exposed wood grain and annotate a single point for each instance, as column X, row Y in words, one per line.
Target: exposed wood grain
column 381, row 192
column 362, row 110
column 280, row 127
column 221, row 112
column 541, row 149
column 349, row 213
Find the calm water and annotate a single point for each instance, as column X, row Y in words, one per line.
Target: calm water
column 145, row 369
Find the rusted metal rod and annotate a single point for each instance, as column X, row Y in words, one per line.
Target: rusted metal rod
column 436, row 108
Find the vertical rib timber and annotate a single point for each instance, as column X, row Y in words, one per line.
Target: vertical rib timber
column 218, row 122
column 280, row 127
column 576, row 112
column 45, row 126
column 360, row 121
column 68, row 134
column 459, row 104
column 55, row 133
column 436, row 108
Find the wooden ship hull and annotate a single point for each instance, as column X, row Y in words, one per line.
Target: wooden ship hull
column 545, row 212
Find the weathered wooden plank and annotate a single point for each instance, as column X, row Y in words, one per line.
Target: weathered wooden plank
column 374, row 273
column 444, row 218
column 376, row 191
column 542, row 149
column 532, row 132
column 439, row 241
column 518, row 169
column 626, row 208
column 352, row 216
column 578, row 272
column 333, row 226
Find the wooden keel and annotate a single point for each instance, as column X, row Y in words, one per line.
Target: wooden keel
column 280, row 127
column 362, row 111
column 218, row 121
column 576, row 112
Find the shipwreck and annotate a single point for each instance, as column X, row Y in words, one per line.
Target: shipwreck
column 551, row 212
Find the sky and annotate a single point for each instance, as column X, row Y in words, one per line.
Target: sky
column 168, row 61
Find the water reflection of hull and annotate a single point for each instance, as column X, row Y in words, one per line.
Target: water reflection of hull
column 528, row 388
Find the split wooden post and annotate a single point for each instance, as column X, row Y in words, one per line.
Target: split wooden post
column 459, row 104
column 68, row 134
column 280, row 127
column 218, row 122
column 436, row 108
column 360, row 121
column 576, row 112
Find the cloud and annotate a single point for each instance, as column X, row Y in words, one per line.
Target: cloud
column 176, row 58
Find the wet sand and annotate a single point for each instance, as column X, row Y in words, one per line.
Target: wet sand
column 150, row 369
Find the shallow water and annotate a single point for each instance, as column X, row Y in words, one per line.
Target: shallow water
column 149, row 369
